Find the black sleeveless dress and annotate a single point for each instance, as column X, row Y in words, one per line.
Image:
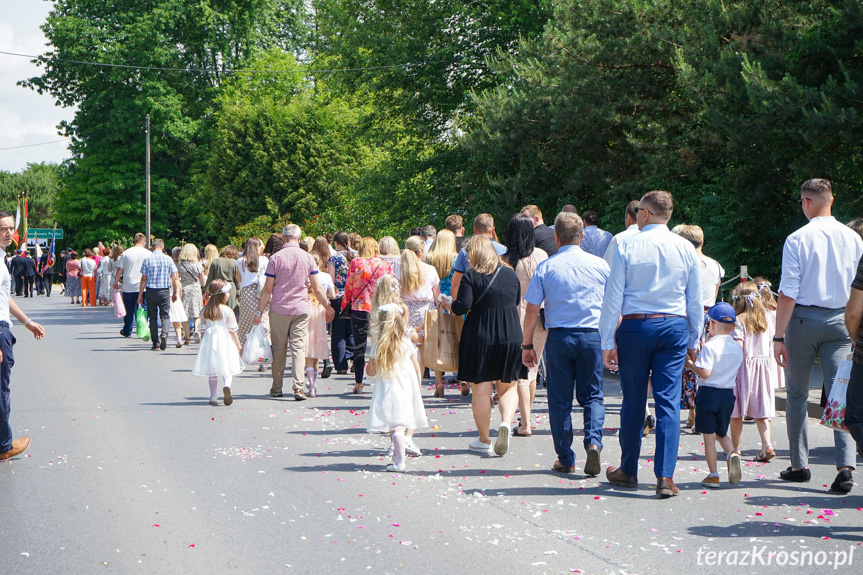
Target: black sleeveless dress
column 490, row 346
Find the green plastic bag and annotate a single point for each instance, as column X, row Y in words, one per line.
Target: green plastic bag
column 143, row 326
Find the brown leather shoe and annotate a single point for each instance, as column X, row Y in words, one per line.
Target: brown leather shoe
column 592, row 466
column 562, row 468
column 18, row 446
column 620, row 479
column 666, row 488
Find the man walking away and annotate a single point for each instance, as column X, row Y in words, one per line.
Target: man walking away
column 158, row 276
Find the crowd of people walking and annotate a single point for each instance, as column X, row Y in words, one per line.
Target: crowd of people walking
column 643, row 304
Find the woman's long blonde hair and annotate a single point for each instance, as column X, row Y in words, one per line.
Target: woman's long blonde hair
column 749, row 307
column 321, row 248
column 388, row 331
column 217, row 298
column 412, row 274
column 481, row 255
column 442, row 253
column 211, row 252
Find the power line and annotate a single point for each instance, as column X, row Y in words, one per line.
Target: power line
column 32, row 145
column 202, row 70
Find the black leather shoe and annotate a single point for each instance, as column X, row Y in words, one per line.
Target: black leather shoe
column 163, row 342
column 799, row 476
column 843, row 483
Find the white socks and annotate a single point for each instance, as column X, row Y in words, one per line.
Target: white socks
column 214, row 382
column 399, row 441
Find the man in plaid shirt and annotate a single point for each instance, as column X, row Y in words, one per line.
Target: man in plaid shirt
column 158, row 274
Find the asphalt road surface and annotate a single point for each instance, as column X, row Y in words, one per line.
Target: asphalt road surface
column 131, row 471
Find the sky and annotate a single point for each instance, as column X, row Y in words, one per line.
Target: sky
column 25, row 116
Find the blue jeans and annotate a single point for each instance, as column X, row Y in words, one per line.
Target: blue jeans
column 645, row 345
column 342, row 339
column 574, row 363
column 7, row 340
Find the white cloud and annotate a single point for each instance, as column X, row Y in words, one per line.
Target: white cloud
column 25, row 116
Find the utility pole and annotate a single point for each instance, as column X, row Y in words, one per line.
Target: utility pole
column 147, row 172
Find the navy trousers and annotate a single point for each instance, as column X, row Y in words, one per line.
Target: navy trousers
column 644, row 346
column 130, row 302
column 574, row 364
column 7, row 340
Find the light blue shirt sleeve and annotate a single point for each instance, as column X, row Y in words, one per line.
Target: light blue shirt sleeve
column 694, row 306
column 461, row 262
column 534, row 293
column 612, row 302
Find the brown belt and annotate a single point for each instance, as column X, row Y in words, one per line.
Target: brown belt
column 650, row 315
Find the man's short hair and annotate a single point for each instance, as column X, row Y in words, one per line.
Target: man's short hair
column 857, row 225
column 632, row 209
column 659, row 203
column 415, row 232
column 428, row 231
column 139, row 237
column 5, row 214
column 454, row 223
column 292, row 232
column 590, row 217
column 483, row 224
column 568, row 227
column 692, row 233
column 158, row 244
column 568, row 209
column 531, row 211
column 817, row 186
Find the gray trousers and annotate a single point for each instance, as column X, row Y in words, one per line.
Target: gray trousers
column 814, row 332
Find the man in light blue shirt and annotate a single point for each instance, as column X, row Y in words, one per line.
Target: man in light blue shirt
column 654, row 293
column 571, row 283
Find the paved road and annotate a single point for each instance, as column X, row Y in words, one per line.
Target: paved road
column 130, row 471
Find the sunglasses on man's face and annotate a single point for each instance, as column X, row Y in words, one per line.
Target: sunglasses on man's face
column 645, row 209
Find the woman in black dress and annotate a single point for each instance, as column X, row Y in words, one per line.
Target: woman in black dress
column 490, row 346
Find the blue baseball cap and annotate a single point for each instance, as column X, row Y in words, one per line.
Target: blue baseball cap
column 722, row 312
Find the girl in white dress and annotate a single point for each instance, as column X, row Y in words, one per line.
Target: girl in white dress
column 396, row 405
column 220, row 347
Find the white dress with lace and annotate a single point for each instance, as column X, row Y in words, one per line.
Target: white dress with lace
column 218, row 354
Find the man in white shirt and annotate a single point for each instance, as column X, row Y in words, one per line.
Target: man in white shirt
column 711, row 272
column 819, row 262
column 598, row 239
column 651, row 319
column 629, row 218
column 9, row 447
column 129, row 277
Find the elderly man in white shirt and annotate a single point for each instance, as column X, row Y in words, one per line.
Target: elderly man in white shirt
column 818, row 266
column 629, row 219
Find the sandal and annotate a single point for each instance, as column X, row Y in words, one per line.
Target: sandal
column 358, row 388
column 519, row 433
column 766, row 456
column 438, row 389
column 465, row 388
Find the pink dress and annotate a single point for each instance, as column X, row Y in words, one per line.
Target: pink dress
column 758, row 374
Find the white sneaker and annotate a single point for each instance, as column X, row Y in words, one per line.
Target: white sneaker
column 734, row 471
column 502, row 444
column 478, row 446
column 411, row 447
column 395, row 468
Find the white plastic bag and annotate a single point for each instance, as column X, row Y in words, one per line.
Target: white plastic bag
column 257, row 348
column 834, row 413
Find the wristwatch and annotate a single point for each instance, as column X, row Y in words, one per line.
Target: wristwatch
column 779, row 339
column 526, row 347
column 258, row 313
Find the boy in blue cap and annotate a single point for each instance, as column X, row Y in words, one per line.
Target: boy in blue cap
column 716, row 368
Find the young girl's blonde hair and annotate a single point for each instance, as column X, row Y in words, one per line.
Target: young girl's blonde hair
column 388, row 331
column 412, row 275
column 388, row 291
column 764, row 288
column 217, row 298
column 749, row 307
